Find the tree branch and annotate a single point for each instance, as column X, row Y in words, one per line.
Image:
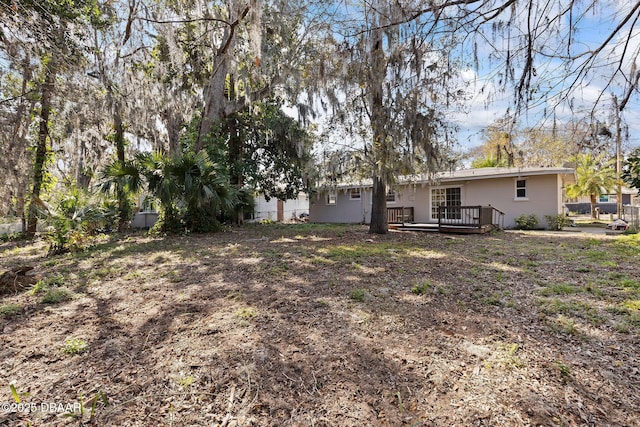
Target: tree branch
column 232, row 28
column 185, row 21
column 13, row 98
column 433, row 9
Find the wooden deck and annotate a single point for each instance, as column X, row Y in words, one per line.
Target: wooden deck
column 451, row 219
column 413, row 227
column 434, row 228
column 463, row 229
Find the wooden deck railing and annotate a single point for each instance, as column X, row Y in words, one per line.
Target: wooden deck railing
column 399, row 215
column 470, row 216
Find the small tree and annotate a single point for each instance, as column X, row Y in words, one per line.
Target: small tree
column 595, row 176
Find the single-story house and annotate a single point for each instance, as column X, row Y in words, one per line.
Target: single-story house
column 606, row 203
column 514, row 191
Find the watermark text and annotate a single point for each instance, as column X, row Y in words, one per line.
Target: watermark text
column 48, row 407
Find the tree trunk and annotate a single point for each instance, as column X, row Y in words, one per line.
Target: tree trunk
column 42, row 147
column 218, row 101
column 593, row 206
column 18, row 147
column 124, row 210
column 379, row 221
column 118, row 127
column 20, row 213
column 82, row 178
column 173, row 121
column 215, row 99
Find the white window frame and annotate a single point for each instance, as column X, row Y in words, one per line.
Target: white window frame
column 353, row 192
column 516, row 187
column 332, row 198
column 445, row 188
column 391, row 193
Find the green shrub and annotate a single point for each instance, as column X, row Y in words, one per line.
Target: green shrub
column 10, row 237
column 557, row 222
column 77, row 215
column 526, row 222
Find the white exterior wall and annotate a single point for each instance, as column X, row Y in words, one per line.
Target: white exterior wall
column 269, row 210
column 296, row 206
column 544, row 197
column 266, row 210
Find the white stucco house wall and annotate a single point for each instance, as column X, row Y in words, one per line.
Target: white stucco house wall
column 514, row 191
column 274, row 209
column 280, row 210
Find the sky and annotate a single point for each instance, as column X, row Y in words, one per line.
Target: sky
column 591, row 24
column 592, row 28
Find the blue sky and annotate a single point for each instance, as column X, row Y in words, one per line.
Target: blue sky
column 487, row 102
column 591, row 29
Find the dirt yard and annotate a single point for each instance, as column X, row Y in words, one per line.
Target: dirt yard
column 308, row 325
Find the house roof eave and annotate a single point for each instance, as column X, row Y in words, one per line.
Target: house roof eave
column 468, row 175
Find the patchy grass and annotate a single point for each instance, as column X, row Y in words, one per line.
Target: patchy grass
column 358, row 294
column 73, row 346
column 312, row 324
column 9, row 310
column 561, row 289
column 583, row 309
column 421, row 288
column 246, row 313
column 495, row 298
column 55, row 296
column 564, row 324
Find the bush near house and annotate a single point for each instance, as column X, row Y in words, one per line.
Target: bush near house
column 557, row 222
column 526, row 222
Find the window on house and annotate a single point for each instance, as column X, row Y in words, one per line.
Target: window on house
column 391, row 196
column 604, row 198
column 354, row 194
column 521, row 189
column 450, row 197
column 332, row 197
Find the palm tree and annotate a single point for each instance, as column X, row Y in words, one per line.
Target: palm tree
column 191, row 188
column 122, row 179
column 594, row 176
column 206, row 190
column 158, row 171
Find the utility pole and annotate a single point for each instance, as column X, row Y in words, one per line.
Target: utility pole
column 618, row 158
